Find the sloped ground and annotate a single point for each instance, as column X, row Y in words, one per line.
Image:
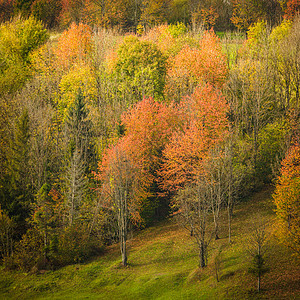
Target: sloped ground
column 163, row 265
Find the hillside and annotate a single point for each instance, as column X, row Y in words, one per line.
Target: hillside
column 163, row 265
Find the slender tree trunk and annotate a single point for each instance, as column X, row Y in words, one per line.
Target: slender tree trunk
column 229, row 223
column 202, row 255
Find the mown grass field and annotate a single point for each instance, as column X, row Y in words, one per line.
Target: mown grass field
column 163, row 264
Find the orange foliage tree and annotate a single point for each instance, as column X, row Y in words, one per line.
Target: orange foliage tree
column 286, row 198
column 204, row 127
column 191, row 66
column 74, row 45
column 209, row 17
column 119, row 189
column 149, row 126
column 184, row 171
column 128, row 172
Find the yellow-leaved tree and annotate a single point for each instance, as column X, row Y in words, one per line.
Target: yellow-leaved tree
column 287, row 200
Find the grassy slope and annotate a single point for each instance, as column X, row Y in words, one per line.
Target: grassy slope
column 163, row 265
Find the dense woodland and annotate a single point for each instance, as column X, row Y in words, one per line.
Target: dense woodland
column 119, row 114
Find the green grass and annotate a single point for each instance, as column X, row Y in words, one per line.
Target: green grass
column 163, row 265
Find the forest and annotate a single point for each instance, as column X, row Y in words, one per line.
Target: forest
column 117, row 116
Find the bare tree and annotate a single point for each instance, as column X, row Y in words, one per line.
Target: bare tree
column 195, row 215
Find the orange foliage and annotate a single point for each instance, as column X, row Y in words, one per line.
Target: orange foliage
column 209, row 17
column 149, row 126
column 292, row 9
column 206, row 64
column 286, row 197
column 74, row 45
column 161, row 36
column 205, row 126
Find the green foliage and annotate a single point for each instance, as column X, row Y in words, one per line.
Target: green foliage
column 141, row 66
column 18, row 194
column 177, row 29
column 18, row 40
column 271, row 150
column 258, row 266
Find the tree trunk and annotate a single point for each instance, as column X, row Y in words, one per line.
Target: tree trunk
column 229, row 223
column 202, row 255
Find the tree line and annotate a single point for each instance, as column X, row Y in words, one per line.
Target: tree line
column 140, row 14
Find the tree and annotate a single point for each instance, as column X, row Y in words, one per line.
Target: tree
column 186, row 169
column 205, row 126
column 196, row 65
column 247, row 12
column 256, row 248
column 18, row 197
column 47, row 11
column 148, row 129
column 6, row 10
column 18, row 40
column 286, row 199
column 119, row 189
column 154, row 12
column 74, row 46
column 140, row 68
column 6, row 234
column 23, row 7
column 194, row 208
column 77, row 156
column 291, row 8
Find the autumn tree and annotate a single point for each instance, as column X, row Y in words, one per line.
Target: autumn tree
column 119, row 190
column 140, row 69
column 286, row 198
column 247, row 12
column 18, row 40
column 74, row 45
column 148, row 128
column 291, row 8
column 196, row 65
column 186, row 157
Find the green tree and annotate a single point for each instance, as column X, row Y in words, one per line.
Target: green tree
column 79, row 157
column 18, row 196
column 140, row 69
column 18, row 40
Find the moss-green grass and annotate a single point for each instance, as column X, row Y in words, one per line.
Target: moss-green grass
column 163, row 264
